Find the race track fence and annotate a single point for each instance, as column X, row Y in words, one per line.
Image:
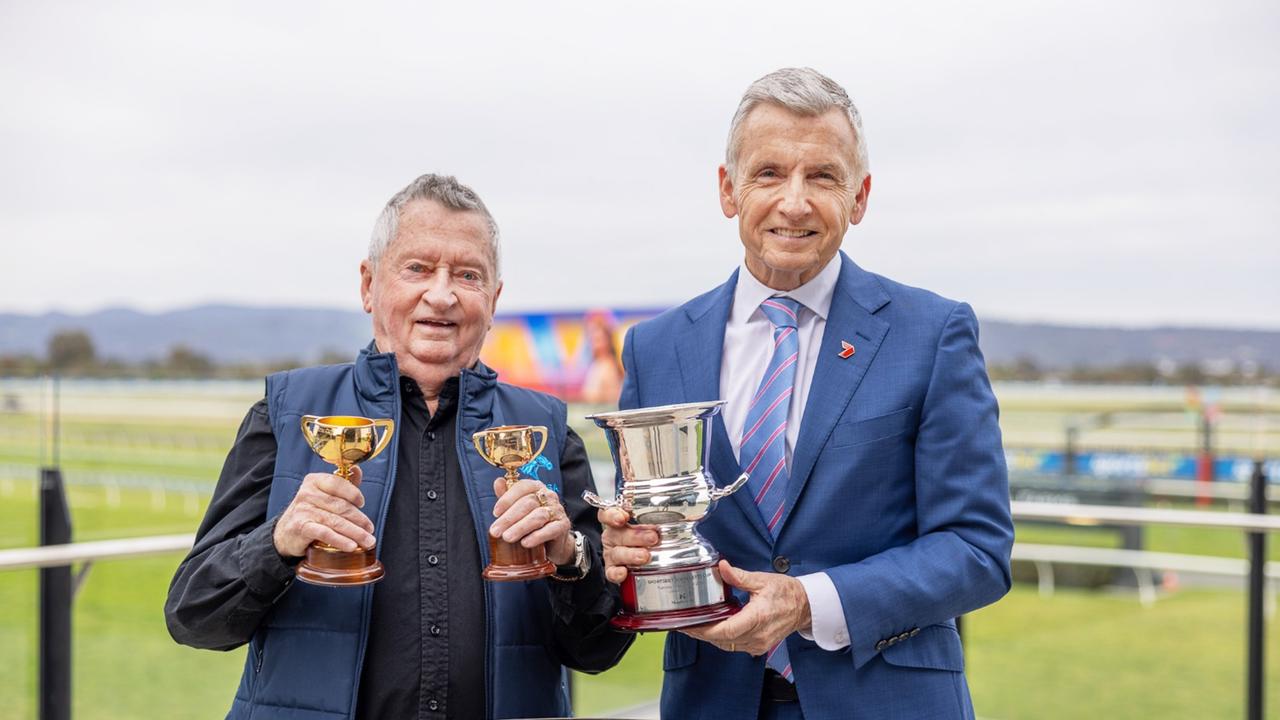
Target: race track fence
column 56, row 557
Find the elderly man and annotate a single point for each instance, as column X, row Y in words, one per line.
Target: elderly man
column 432, row 639
column 877, row 508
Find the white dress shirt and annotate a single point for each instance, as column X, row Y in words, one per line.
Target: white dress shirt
column 748, row 344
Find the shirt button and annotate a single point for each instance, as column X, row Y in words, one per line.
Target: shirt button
column 435, row 629
column 433, row 560
column 433, row 705
column 781, row 564
column 431, row 495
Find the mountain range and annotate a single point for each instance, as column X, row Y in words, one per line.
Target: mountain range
column 261, row 334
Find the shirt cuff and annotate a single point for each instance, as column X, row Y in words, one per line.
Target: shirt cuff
column 830, row 630
column 265, row 572
column 593, row 596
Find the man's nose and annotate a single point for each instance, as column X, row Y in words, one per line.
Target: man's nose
column 439, row 292
column 795, row 197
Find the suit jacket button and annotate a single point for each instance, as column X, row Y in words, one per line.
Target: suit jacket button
column 781, row 564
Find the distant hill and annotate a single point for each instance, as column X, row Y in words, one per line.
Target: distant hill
column 1061, row 346
column 224, row 333
column 261, row 334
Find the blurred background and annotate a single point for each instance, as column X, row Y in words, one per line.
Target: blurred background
column 187, row 192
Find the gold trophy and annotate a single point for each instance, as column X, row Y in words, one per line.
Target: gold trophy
column 511, row 447
column 343, row 440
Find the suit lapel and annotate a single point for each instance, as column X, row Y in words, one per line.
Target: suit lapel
column 700, row 347
column 858, row 295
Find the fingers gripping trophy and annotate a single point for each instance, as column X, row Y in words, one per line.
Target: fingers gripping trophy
column 511, row 447
column 344, row 441
column 662, row 481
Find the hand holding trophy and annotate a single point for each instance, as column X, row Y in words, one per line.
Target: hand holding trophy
column 663, row 482
column 343, row 441
column 511, row 447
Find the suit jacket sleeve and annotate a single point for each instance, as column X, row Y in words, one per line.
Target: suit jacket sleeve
column 630, row 397
column 584, row 640
column 960, row 559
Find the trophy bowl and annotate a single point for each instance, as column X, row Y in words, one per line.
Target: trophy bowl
column 344, row 441
column 511, row 447
column 663, row 481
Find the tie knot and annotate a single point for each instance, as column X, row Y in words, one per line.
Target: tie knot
column 781, row 311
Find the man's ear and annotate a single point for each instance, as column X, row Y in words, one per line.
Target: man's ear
column 727, row 204
column 366, row 285
column 860, row 201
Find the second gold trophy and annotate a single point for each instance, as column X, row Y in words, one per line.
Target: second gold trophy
column 511, row 447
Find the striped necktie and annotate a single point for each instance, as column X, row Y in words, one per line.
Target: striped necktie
column 763, row 450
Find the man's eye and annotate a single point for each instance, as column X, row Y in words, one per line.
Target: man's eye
column 767, row 173
column 470, row 276
column 416, row 267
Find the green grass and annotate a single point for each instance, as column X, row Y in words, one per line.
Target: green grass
column 1077, row 654
column 1089, row 654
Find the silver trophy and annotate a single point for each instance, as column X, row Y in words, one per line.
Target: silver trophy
column 662, row 481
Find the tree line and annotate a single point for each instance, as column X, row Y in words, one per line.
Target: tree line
column 71, row 353
column 1195, row 374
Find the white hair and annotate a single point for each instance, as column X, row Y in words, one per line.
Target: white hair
column 444, row 189
column 804, row 91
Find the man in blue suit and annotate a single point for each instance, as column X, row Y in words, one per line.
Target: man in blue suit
column 878, row 508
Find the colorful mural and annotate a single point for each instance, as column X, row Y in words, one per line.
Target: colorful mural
column 576, row 356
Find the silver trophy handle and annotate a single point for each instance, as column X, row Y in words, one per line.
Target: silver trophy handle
column 731, row 488
column 594, row 501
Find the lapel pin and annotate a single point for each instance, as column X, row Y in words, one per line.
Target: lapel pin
column 847, row 349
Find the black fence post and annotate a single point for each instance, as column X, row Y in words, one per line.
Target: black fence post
column 1069, row 451
column 55, row 603
column 1257, row 541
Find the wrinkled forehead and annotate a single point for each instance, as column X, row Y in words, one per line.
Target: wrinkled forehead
column 427, row 228
column 774, row 133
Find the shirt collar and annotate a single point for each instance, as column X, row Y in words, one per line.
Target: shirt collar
column 815, row 295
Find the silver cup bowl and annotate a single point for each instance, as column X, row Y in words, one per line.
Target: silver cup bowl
column 662, row 478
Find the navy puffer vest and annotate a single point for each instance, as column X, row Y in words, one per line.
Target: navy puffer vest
column 304, row 662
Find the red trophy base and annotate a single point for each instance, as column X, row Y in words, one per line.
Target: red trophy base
column 513, row 561
column 325, row 565
column 632, row 618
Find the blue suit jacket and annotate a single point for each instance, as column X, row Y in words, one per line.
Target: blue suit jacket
column 898, row 491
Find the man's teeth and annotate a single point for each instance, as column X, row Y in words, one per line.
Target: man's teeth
column 792, row 233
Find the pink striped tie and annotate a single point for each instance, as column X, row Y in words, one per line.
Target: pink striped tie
column 763, row 450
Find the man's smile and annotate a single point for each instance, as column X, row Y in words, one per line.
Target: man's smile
column 792, row 233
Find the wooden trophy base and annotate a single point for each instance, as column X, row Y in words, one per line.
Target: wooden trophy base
column 325, row 565
column 633, row 618
column 513, row 561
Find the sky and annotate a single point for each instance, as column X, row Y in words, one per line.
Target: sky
column 1071, row 162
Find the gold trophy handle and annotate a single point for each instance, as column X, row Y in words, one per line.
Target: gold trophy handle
column 388, row 427
column 308, row 421
column 543, row 444
column 478, row 440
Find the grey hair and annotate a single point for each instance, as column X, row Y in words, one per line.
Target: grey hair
column 444, row 189
column 804, row 91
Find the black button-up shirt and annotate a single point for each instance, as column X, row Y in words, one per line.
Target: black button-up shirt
column 430, row 555
column 425, row 653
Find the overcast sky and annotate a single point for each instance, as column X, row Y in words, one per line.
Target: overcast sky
column 1081, row 162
